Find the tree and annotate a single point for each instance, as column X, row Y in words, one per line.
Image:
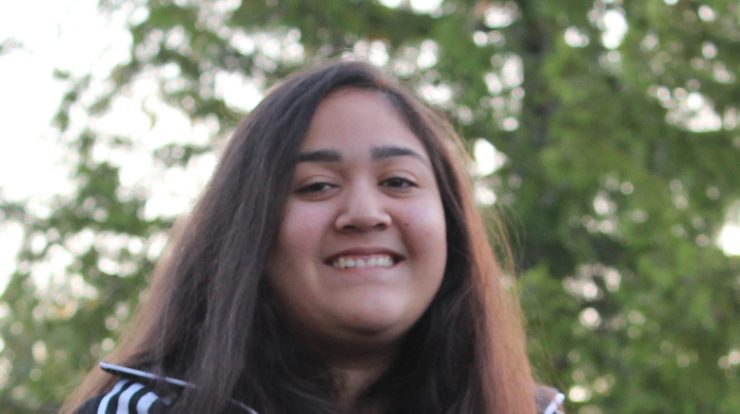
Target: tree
column 617, row 121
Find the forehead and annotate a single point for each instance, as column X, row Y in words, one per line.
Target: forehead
column 355, row 118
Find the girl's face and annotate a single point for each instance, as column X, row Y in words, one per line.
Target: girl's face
column 362, row 247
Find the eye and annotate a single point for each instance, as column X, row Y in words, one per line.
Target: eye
column 317, row 187
column 398, row 182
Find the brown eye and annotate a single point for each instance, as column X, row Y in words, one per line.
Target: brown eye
column 398, row 182
column 315, row 188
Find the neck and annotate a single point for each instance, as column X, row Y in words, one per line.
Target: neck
column 352, row 377
column 354, row 365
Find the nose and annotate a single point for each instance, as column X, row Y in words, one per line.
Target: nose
column 363, row 210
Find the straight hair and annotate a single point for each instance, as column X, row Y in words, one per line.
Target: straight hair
column 210, row 318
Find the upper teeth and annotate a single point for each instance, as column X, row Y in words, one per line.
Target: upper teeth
column 380, row 260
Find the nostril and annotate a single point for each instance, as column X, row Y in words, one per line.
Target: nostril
column 354, row 221
column 381, row 225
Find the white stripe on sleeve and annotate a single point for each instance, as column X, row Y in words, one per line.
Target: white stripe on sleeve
column 104, row 402
column 554, row 406
column 125, row 398
column 145, row 402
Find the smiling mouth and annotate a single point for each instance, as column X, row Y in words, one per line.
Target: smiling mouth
column 363, row 262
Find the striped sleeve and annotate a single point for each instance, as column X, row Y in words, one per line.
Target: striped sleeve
column 556, row 405
column 549, row 400
column 126, row 397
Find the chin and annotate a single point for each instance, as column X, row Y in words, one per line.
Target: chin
column 388, row 322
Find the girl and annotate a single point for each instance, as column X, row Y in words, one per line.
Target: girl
column 335, row 263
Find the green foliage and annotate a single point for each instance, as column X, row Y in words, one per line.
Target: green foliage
column 614, row 188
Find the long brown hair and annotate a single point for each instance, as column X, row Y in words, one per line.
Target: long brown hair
column 210, row 319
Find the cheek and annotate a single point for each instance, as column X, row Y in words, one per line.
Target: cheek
column 425, row 234
column 294, row 252
column 427, row 223
column 298, row 246
column 302, row 228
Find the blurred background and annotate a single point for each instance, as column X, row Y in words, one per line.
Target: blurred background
column 604, row 132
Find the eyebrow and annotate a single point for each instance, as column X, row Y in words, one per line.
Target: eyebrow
column 322, row 155
column 376, row 153
column 389, row 151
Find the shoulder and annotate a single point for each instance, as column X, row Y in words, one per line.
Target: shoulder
column 548, row 400
column 126, row 397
